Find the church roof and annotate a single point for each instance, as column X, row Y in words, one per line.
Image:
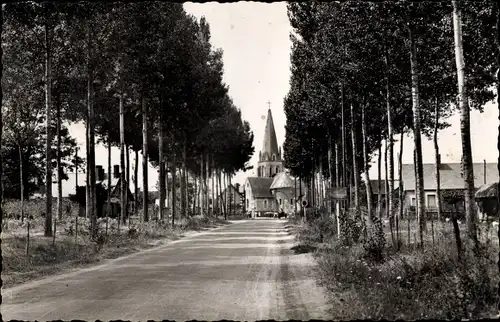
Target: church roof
column 270, row 144
column 282, row 180
column 260, row 187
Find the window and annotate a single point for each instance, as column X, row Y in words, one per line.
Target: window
column 248, row 204
column 270, row 171
column 413, row 201
column 265, row 203
column 291, row 201
column 280, row 202
column 277, row 169
column 431, row 200
column 274, row 157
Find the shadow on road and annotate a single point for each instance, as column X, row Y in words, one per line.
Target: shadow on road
column 302, row 249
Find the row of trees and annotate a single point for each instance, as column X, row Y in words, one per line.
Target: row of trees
column 357, row 85
column 122, row 69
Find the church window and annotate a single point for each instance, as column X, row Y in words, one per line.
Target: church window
column 280, row 202
column 248, row 203
column 274, row 157
column 291, row 201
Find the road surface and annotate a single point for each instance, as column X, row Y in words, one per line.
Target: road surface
column 242, row 271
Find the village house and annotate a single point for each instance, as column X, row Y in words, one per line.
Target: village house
column 451, row 184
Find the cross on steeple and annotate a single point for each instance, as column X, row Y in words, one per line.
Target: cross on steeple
column 269, row 104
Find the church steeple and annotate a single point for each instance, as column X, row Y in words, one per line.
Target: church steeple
column 270, row 151
column 270, row 162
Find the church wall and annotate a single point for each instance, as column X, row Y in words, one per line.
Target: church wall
column 263, row 205
column 286, row 197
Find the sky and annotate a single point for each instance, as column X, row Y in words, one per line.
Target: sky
column 255, row 39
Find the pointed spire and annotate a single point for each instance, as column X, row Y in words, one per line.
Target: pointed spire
column 270, row 145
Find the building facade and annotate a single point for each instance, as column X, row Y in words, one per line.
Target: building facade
column 272, row 190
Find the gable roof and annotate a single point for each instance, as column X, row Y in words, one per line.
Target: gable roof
column 233, row 188
column 260, row 187
column 282, row 180
column 449, row 175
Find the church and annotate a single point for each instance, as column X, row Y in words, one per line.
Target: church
column 273, row 189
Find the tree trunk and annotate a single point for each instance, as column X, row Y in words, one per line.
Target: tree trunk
column 354, row 161
column 213, row 186
column 379, row 182
column 330, row 172
column 58, row 160
column 195, row 193
column 294, row 195
column 344, row 173
column 21, row 180
column 202, row 194
column 400, row 173
column 1, row 124
column 420, row 196
column 174, row 183
column 144, row 159
column 136, row 181
column 161, row 177
column 219, row 191
column 127, row 181
column 48, row 143
column 183, row 187
column 438, row 161
column 122, row 152
column 463, row 103
column 205, row 183
column 108, row 202
column 90, row 107
column 386, row 181
column 88, row 201
column 366, row 166
column 498, row 138
column 391, row 143
column 226, row 199
column 185, row 177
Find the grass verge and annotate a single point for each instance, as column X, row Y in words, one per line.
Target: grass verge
column 46, row 257
column 412, row 283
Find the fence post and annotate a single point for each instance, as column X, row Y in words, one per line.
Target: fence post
column 28, row 240
column 54, row 235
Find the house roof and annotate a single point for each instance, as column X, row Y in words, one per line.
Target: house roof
column 233, row 188
column 487, row 191
column 450, row 175
column 260, row 187
column 282, row 180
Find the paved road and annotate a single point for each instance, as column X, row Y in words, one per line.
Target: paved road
column 242, row 271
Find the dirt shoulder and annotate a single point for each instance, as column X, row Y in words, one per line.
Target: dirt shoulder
column 47, row 256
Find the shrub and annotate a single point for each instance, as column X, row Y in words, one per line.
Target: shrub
column 422, row 284
column 374, row 245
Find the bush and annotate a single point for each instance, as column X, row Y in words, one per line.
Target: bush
column 375, row 243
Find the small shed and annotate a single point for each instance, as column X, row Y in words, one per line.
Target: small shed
column 487, row 200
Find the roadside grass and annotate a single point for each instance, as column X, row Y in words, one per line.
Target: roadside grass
column 47, row 256
column 411, row 283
